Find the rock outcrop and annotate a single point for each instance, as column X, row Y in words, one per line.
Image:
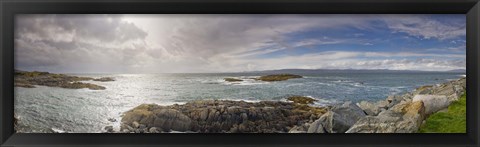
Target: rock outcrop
column 152, row 115
column 232, row 80
column 29, row 79
column 338, row 120
column 278, row 77
column 104, row 79
column 215, row 116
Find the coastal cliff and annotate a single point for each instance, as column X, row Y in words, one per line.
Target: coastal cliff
column 396, row 114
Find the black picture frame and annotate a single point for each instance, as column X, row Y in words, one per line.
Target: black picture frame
column 9, row 8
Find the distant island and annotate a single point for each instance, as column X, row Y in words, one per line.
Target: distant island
column 268, row 78
column 29, row 79
column 354, row 70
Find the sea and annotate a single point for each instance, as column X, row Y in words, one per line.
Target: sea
column 89, row 111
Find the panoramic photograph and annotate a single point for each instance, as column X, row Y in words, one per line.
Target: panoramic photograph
column 240, row 73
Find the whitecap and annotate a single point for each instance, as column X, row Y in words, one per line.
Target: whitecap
column 58, row 130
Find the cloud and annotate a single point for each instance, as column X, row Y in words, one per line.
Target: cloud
column 349, row 60
column 203, row 43
column 426, row 28
column 52, row 42
column 409, row 54
column 210, row 35
column 417, row 64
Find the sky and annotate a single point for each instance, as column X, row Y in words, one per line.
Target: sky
column 206, row 43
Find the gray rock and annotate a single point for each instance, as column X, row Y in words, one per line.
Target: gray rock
column 444, row 89
column 382, row 104
column 335, row 123
column 142, row 126
column 398, row 108
column 349, row 109
column 407, row 118
column 299, row 129
column 374, row 108
column 169, row 119
column 126, row 131
column 135, row 124
column 154, row 130
column 317, row 126
column 374, row 124
column 394, row 99
column 383, row 123
column 128, row 127
column 112, row 120
column 433, row 103
column 109, row 129
column 244, row 116
column 216, row 116
column 423, row 90
column 338, row 120
column 368, row 108
column 145, row 130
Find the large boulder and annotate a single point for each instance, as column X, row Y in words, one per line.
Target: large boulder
column 414, row 114
column 368, row 107
column 374, row 124
column 406, row 118
column 373, row 108
column 433, row 103
column 338, row 120
column 349, row 110
column 413, row 109
column 317, row 126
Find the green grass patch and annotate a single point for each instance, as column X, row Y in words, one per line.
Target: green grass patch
column 452, row 121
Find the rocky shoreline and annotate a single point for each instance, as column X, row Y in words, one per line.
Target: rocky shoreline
column 219, row 116
column 29, row 79
column 396, row 114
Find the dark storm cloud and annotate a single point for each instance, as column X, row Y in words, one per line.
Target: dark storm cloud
column 57, row 41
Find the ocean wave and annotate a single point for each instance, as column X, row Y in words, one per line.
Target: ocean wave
column 327, row 84
column 58, row 130
column 342, row 81
column 250, row 100
column 321, row 102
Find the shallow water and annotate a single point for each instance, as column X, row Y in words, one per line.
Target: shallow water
column 87, row 111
